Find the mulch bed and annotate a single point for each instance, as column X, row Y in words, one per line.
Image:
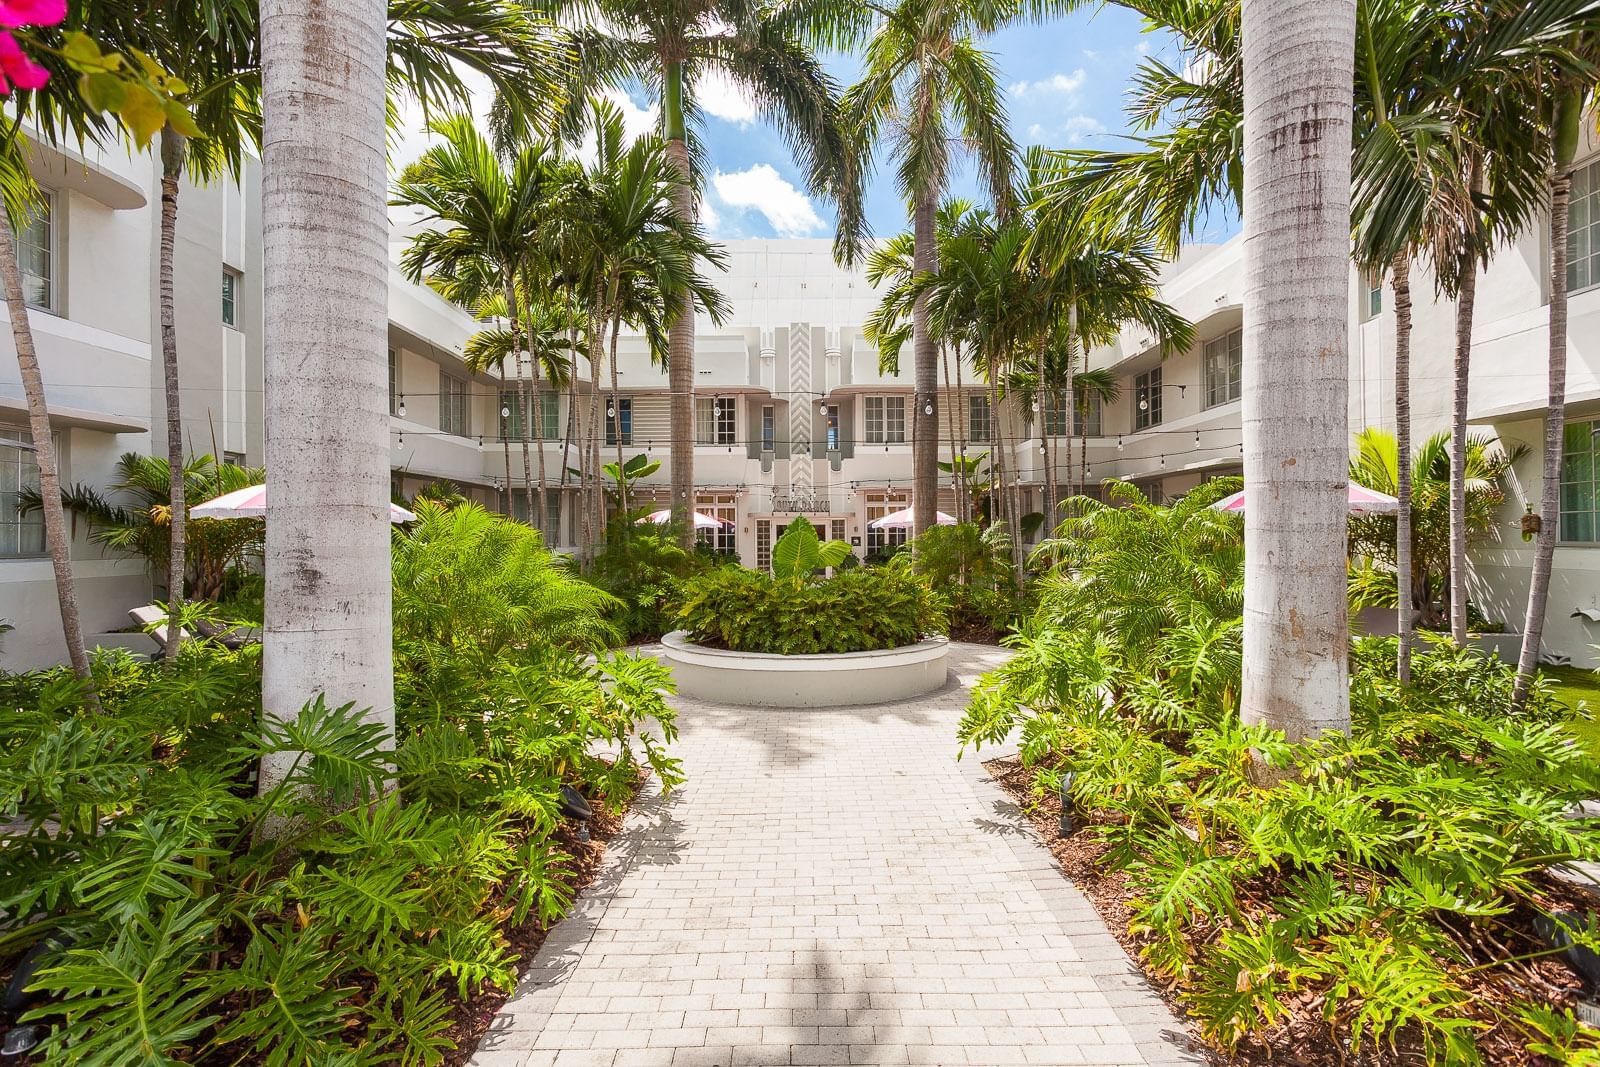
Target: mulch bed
column 474, row 1015
column 1306, row 1040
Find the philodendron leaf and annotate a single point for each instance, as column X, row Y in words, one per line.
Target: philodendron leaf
column 832, row 553
column 795, row 555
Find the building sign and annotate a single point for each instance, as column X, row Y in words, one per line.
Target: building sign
column 800, row 503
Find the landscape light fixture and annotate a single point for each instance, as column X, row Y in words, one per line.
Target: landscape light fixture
column 1064, row 824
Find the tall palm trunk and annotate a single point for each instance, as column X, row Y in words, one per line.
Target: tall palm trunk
column 512, row 310
column 950, row 424
column 680, row 339
column 961, row 442
column 324, row 179
column 591, row 463
column 1568, row 117
column 616, row 400
column 1005, row 487
column 925, row 364
column 1404, row 586
column 57, row 538
column 1466, row 300
column 536, row 373
column 505, row 435
column 1298, row 84
column 1046, row 441
column 174, row 148
column 1081, row 415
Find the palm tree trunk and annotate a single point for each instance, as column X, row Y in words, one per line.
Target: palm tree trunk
column 950, row 424
column 680, row 340
column 324, row 181
column 57, row 538
column 537, row 374
column 505, row 436
column 591, row 474
column 961, row 442
column 1406, row 608
column 925, row 363
column 1568, row 115
column 616, row 399
column 1466, row 300
column 173, row 149
column 1004, row 487
column 1082, row 416
column 522, row 391
column 1298, row 84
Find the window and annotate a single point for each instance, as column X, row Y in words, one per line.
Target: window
column 722, row 506
column 769, row 429
column 886, row 420
column 836, row 529
column 763, row 544
column 1057, row 404
column 978, row 422
column 36, row 246
column 394, row 381
column 1147, row 399
column 1583, row 228
column 1580, row 483
column 552, row 511
column 20, row 535
column 1086, row 416
column 713, row 420
column 619, row 413
column 512, row 423
column 1224, row 362
column 230, row 298
column 879, row 505
column 1371, row 295
column 833, row 427
column 235, row 459
column 453, row 399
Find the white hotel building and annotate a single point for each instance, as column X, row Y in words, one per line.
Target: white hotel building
column 793, row 415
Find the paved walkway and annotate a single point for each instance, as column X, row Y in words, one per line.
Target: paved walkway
column 832, row 887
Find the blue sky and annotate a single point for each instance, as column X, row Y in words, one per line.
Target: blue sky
column 1064, row 83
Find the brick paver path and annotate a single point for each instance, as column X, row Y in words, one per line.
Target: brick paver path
column 832, row 887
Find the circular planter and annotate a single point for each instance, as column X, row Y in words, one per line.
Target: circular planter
column 773, row 681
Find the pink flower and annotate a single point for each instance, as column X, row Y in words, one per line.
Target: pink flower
column 16, row 68
column 32, row 12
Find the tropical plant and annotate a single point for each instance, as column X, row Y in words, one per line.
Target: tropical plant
column 799, row 554
column 1373, row 537
column 761, row 49
column 1365, row 883
column 927, row 87
column 856, row 610
column 971, row 566
column 633, row 256
column 141, row 523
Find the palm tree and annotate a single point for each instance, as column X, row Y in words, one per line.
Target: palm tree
column 493, row 218
column 926, row 77
column 628, row 247
column 328, row 588
column 1091, row 390
column 1568, row 94
column 1297, row 232
column 763, row 49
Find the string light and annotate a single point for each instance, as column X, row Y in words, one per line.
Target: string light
column 400, row 408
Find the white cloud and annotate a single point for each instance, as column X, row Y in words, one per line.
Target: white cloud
column 763, row 189
column 1066, row 84
column 719, row 95
column 1080, row 126
column 1035, row 132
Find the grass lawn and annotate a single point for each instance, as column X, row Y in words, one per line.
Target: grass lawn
column 1573, row 684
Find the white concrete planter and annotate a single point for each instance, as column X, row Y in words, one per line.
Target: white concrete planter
column 1507, row 646
column 772, row 681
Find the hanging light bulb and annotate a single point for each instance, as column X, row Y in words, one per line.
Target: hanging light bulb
column 505, row 411
column 400, row 443
column 1144, row 404
column 1197, row 438
column 1119, row 442
column 927, row 408
column 611, row 409
column 400, row 408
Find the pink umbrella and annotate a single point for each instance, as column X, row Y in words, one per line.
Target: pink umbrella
column 903, row 518
column 1363, row 501
column 701, row 522
column 251, row 503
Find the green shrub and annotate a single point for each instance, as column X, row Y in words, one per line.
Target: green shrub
column 854, row 611
column 1370, row 880
column 971, row 565
column 393, row 870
